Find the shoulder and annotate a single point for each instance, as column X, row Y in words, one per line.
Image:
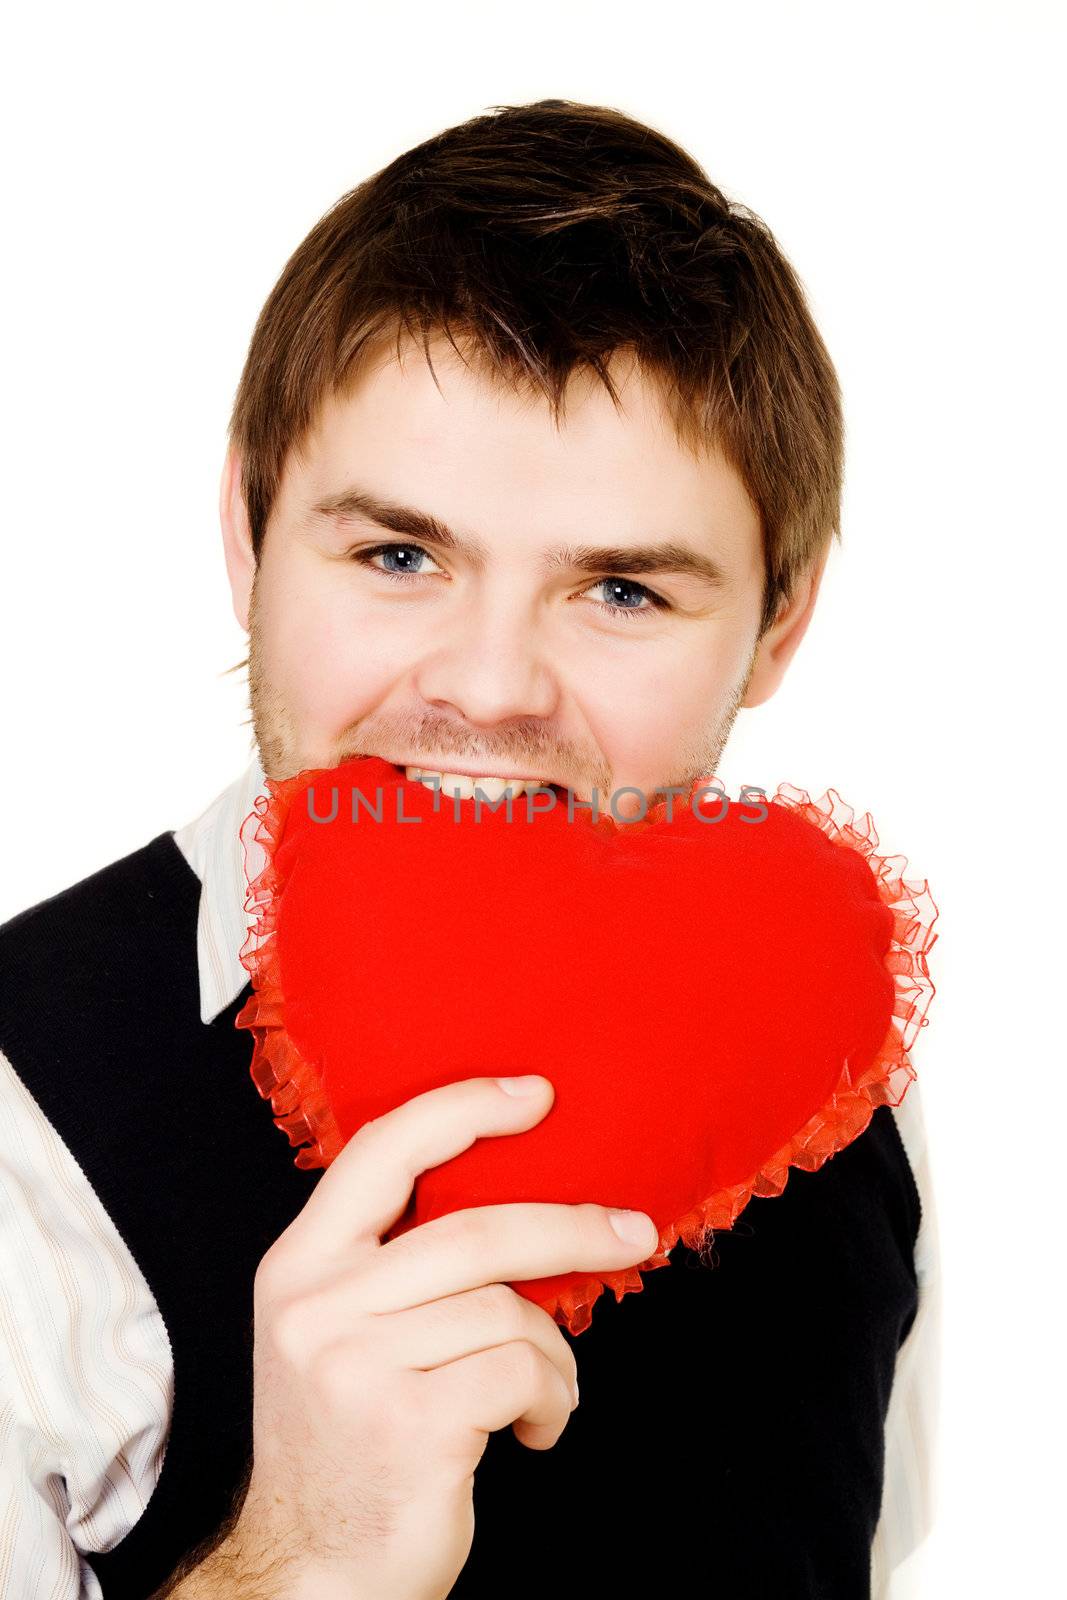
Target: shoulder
column 83, row 927
column 94, row 978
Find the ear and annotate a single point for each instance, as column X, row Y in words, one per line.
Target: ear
column 236, row 537
column 779, row 644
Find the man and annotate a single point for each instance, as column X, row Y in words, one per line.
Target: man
column 535, row 463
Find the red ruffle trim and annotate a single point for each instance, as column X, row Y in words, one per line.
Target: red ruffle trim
column 301, row 1110
column 280, row 1073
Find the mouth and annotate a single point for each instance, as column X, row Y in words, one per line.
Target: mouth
column 492, row 782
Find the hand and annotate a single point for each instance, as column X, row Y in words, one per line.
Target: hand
column 381, row 1368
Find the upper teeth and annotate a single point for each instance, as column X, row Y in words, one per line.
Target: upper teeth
column 458, row 783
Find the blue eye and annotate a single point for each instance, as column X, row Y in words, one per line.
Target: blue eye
column 656, row 602
column 364, row 556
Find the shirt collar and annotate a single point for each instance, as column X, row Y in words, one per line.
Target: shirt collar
column 211, row 844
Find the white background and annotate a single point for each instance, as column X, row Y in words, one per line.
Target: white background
column 161, row 163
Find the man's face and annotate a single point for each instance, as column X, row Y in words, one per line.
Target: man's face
column 500, row 655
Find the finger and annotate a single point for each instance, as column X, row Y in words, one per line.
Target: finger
column 431, row 1335
column 512, row 1383
column 496, row 1244
column 368, row 1185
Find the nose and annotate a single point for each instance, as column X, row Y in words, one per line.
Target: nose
column 489, row 669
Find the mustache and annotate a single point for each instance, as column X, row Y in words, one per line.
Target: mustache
column 527, row 755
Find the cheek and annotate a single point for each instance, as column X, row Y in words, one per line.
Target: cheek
column 665, row 693
column 332, row 661
column 648, row 714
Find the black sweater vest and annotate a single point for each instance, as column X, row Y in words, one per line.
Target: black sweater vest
column 730, row 1435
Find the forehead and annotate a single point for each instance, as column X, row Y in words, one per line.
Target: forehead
column 465, row 445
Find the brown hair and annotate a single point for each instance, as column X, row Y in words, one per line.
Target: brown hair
column 550, row 236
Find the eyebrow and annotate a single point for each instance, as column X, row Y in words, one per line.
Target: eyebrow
column 670, row 556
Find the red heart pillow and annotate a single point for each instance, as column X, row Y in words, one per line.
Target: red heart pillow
column 718, row 991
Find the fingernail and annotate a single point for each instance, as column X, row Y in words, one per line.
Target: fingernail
column 634, row 1227
column 528, row 1085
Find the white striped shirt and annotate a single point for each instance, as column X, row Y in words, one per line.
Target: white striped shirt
column 86, row 1371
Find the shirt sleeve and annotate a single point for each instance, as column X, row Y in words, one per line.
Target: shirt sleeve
column 86, row 1370
column 909, row 1502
